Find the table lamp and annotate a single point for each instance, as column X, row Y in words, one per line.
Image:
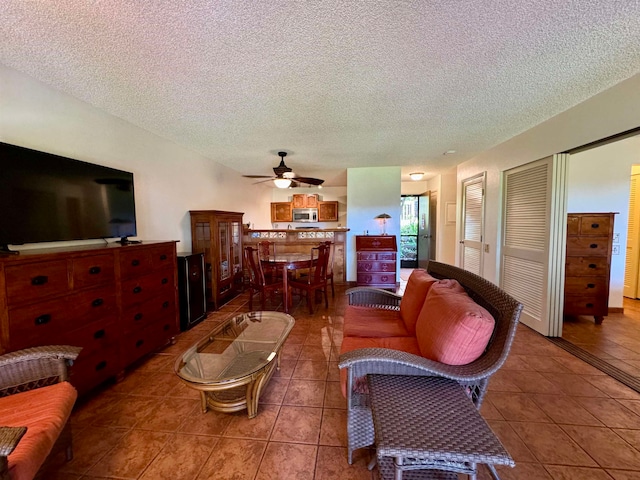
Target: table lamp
column 383, row 219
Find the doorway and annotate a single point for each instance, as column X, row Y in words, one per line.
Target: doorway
column 417, row 230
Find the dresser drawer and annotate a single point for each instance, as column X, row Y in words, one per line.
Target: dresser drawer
column 92, row 271
column 374, row 279
column 135, row 262
column 93, row 368
column 595, row 225
column 162, row 257
column 147, row 339
column 35, row 281
column 141, row 289
column 382, row 256
column 43, row 322
column 588, row 246
column 376, row 267
column 591, row 266
column 585, row 305
column 585, row 286
column 95, row 336
column 142, row 314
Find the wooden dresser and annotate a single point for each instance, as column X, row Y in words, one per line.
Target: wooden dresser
column 116, row 302
column 588, row 262
column 376, row 261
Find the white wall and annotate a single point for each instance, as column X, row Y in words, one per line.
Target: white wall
column 371, row 191
column 169, row 180
column 610, row 112
column 446, row 244
column 599, row 181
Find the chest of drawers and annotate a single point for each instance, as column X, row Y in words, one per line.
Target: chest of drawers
column 376, row 261
column 587, row 266
column 116, row 302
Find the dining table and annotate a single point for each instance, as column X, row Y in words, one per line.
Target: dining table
column 287, row 262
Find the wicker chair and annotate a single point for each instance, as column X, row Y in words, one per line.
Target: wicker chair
column 473, row 376
column 27, row 370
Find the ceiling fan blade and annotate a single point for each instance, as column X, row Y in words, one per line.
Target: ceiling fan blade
column 309, row 180
column 257, row 176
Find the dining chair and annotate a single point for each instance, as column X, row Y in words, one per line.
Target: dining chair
column 316, row 280
column 332, row 250
column 258, row 282
column 267, row 253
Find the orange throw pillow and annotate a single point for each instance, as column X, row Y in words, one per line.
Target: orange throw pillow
column 412, row 301
column 452, row 328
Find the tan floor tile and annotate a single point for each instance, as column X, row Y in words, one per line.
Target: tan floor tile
column 88, row 410
column 332, row 464
column 181, row 459
column 334, row 372
column 333, row 397
column 288, row 461
column 310, row 370
column 333, row 431
column 545, row 364
column 612, row 387
column 258, row 428
column 574, row 385
column 610, row 412
column 90, row 445
column 131, row 455
column 501, row 382
column 275, row 391
column 316, row 353
column 210, row 423
column 607, row 448
column 564, row 409
column 309, row 393
column 517, row 407
column 297, row 424
column 290, row 351
column 128, row 411
column 232, row 458
column 624, row 475
column 559, row 472
column 168, row 414
column 286, row 369
column 533, row 382
column 523, row 471
column 550, row 444
column 489, row 412
column 512, row 442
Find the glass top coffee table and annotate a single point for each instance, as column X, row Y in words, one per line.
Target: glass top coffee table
column 232, row 364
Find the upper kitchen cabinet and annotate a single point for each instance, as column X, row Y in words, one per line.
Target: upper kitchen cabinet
column 305, row 201
column 328, row 211
column 281, row 212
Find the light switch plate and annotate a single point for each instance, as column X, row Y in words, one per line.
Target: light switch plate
column 616, row 250
column 616, row 238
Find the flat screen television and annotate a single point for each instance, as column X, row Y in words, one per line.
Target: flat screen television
column 49, row 198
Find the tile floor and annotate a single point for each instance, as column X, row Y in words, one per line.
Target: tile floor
column 558, row 417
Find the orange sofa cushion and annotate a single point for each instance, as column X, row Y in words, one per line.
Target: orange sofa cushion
column 452, row 328
column 414, row 296
column 406, row 344
column 44, row 411
column 362, row 321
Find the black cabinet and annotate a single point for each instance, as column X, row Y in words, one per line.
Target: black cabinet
column 191, row 287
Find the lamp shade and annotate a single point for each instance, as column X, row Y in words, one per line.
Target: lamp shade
column 416, row 176
column 282, row 182
column 383, row 216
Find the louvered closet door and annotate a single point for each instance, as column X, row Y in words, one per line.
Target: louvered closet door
column 472, row 224
column 534, row 241
column 630, row 288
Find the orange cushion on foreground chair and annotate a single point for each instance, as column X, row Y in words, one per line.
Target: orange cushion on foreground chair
column 362, row 321
column 415, row 293
column 44, row 411
column 452, row 328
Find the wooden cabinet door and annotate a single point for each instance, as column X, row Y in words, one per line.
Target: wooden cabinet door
column 328, row 211
column 281, row 212
column 303, row 200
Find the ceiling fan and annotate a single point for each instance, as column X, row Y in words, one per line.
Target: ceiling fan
column 284, row 176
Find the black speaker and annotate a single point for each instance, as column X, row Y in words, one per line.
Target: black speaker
column 191, row 287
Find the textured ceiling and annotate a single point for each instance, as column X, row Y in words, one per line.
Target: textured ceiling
column 335, row 83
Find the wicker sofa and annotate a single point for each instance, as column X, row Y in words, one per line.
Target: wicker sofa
column 380, row 337
column 35, row 404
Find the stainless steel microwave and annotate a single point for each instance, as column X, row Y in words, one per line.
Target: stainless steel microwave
column 305, row 214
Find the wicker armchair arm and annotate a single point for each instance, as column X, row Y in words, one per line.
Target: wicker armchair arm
column 368, row 296
column 385, row 361
column 31, row 364
column 9, row 438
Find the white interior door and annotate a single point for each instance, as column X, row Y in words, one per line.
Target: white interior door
column 534, row 229
column 631, row 270
column 472, row 226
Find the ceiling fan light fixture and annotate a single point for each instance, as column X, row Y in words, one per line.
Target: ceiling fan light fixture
column 415, row 176
column 282, row 182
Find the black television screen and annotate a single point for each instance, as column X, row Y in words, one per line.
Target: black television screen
column 49, row 198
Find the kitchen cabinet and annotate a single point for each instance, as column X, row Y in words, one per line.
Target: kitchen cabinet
column 588, row 263
column 303, row 200
column 281, row 212
column 328, row 211
column 218, row 234
column 376, row 261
